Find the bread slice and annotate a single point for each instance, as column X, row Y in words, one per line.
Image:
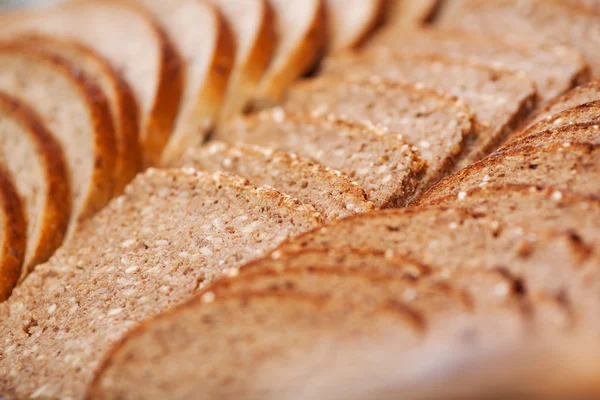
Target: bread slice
column 436, row 124
column 385, row 166
column 254, row 28
column 566, row 166
column 14, row 234
column 153, row 69
column 580, row 133
column 206, row 43
column 347, row 26
column 82, row 124
column 36, row 164
column 500, row 99
column 401, row 14
column 554, row 69
column 121, row 100
column 533, row 21
column 302, row 34
column 331, row 193
column 247, row 339
column 171, row 233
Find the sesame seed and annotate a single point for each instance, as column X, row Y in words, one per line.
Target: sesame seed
column 462, row 195
column 208, row 297
column 557, row 196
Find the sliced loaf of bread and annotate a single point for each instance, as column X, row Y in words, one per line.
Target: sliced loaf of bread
column 500, row 99
column 330, row 192
column 402, row 14
column 581, row 133
column 385, row 166
column 172, row 232
column 81, row 121
column 35, row 161
column 438, row 125
column 347, row 26
column 566, row 166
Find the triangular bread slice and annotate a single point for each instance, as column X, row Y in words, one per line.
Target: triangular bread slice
column 330, row 192
column 80, row 121
column 583, row 133
column 13, row 227
column 401, row 14
column 120, row 97
column 206, row 43
column 171, row 233
column 499, row 99
column 438, row 125
column 348, row 27
column 35, row 161
column 301, row 27
column 564, row 165
column 245, row 340
column 385, row 166
column 111, row 27
column 253, row 26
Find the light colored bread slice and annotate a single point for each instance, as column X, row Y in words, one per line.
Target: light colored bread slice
column 36, row 164
column 438, row 125
column 120, row 97
column 500, row 99
column 348, row 26
column 171, row 233
column 532, row 21
column 385, row 166
column 253, row 26
column 301, row 27
column 244, row 341
column 146, row 58
column 554, row 69
column 13, row 237
column 566, row 166
column 409, row 13
column 330, row 192
column 579, row 133
column 80, row 121
column 207, row 46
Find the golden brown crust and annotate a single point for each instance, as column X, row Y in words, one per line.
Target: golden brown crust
column 57, row 207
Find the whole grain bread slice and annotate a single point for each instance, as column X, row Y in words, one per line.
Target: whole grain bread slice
column 438, row 125
column 245, row 340
column 81, row 122
column 566, row 166
column 330, row 192
column 171, row 233
column 111, row 27
column 347, row 27
column 499, row 99
column 36, row 164
column 121, row 100
column 581, row 133
column 384, row 165
column 301, row 27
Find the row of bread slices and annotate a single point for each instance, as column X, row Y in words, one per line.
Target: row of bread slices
column 184, row 252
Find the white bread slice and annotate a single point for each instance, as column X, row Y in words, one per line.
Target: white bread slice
column 80, row 120
column 349, row 23
column 302, row 34
column 206, row 43
column 120, row 97
column 253, row 25
column 36, row 163
column 172, row 232
column 133, row 43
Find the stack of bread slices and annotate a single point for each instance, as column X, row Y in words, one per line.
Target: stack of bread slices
column 298, row 199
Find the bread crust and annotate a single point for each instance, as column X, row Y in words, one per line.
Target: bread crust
column 370, row 22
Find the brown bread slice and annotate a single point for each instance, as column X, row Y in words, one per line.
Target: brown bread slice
column 566, row 166
column 253, row 26
column 554, row 69
column 499, row 99
column 347, row 26
column 151, row 66
column 385, row 166
column 401, row 14
column 120, row 98
column 331, row 193
column 532, row 21
column 301, row 27
column 205, row 42
column 244, row 341
column 172, row 232
column 80, row 122
column 581, row 133
column 438, row 125
column 35, row 161
column 13, row 237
